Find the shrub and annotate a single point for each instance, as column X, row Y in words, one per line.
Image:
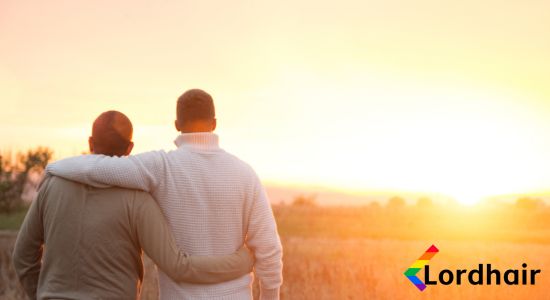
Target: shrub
column 14, row 173
column 305, row 201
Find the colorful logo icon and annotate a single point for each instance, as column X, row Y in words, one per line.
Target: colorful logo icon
column 419, row 264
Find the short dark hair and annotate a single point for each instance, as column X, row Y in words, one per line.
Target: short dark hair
column 112, row 133
column 195, row 104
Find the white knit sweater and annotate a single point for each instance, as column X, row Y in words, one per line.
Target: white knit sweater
column 212, row 201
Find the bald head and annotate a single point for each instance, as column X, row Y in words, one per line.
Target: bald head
column 195, row 112
column 111, row 134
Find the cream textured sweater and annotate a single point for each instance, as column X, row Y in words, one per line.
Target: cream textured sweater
column 211, row 200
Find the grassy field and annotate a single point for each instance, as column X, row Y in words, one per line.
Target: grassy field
column 12, row 221
column 361, row 253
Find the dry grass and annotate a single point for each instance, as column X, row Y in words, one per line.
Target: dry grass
column 361, row 253
column 9, row 286
column 373, row 269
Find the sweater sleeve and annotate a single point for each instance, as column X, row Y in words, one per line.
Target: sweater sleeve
column 263, row 240
column 157, row 241
column 140, row 171
column 27, row 253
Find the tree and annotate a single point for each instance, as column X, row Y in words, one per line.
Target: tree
column 14, row 174
column 424, row 202
column 528, row 203
column 305, row 201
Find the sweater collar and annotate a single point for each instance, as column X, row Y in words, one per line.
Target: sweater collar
column 198, row 140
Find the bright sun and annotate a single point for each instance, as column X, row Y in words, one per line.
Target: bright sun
column 462, row 143
column 468, row 198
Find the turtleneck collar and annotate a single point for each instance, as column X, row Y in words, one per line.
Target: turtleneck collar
column 205, row 141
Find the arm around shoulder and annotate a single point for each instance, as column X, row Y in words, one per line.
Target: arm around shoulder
column 157, row 241
column 141, row 171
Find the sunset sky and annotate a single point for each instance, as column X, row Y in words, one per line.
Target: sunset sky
column 450, row 97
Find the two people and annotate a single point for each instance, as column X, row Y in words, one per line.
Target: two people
column 212, row 202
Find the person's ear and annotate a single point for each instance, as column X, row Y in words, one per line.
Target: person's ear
column 129, row 150
column 176, row 124
column 214, row 124
column 91, row 144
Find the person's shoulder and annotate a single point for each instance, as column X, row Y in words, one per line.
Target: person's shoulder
column 54, row 186
column 243, row 166
column 123, row 193
column 53, row 180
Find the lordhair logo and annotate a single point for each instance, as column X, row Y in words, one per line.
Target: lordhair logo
column 482, row 275
column 419, row 264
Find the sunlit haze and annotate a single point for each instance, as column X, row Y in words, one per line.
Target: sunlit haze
column 449, row 98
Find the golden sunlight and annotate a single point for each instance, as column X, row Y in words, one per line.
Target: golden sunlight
column 462, row 141
column 377, row 129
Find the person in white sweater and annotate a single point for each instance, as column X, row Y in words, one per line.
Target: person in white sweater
column 212, row 200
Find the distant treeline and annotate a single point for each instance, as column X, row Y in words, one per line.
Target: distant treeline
column 397, row 202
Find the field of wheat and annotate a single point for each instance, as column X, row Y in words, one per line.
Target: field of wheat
column 361, row 253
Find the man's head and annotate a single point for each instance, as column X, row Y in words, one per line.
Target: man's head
column 111, row 134
column 195, row 112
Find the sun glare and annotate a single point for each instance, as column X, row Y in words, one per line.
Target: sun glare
column 464, row 142
column 468, row 198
